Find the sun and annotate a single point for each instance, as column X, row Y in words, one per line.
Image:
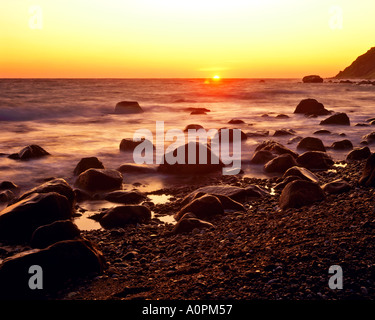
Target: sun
column 216, row 77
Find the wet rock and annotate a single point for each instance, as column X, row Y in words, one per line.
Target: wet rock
column 136, row 168
column 193, row 127
column 280, row 164
column 312, row 79
column 189, row 222
column 295, row 140
column 315, row 160
column 54, row 232
column 236, row 121
column 212, row 164
column 282, row 184
column 128, row 107
column 311, row 144
column 283, row 132
column 128, row 144
column 100, row 180
column 8, row 185
column 87, row 163
column 282, row 116
column 311, row 106
column 359, row 154
column 198, row 110
column 262, row 157
column 275, row 147
column 230, row 134
column 322, row 131
column 125, row 197
column 259, row 133
column 336, row 187
column 369, row 138
column 342, row 145
column 30, row 152
column 303, row 173
column 61, row 262
column 121, row 216
column 19, row 221
column 368, row 174
column 6, row 196
column 300, row 193
column 337, row 119
column 203, row 207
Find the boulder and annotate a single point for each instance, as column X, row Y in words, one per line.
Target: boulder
column 6, row 196
column 128, row 107
column 369, row 138
column 125, row 197
column 336, row 186
column 311, row 106
column 294, row 140
column 62, row 262
column 183, row 167
column 282, row 184
column 193, row 127
column 30, row 152
column 262, row 157
column 300, row 193
column 322, row 131
column 227, row 203
column 315, row 160
column 368, row 174
column 311, row 144
column 276, row 148
column 204, row 207
column 259, row 133
column 302, row 173
column 230, row 134
column 128, row 144
column 283, row 132
column 280, row 164
column 312, row 79
column 342, row 145
column 358, row 154
column 236, row 121
column 54, row 232
column 121, row 216
column 337, row 119
column 188, row 223
column 198, row 110
column 100, row 180
column 87, row 163
column 136, row 168
column 282, row 116
column 8, row 185
column 19, row 220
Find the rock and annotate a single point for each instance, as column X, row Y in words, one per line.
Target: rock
column 54, row 232
column 262, row 157
column 282, row 116
column 358, row 154
column 259, row 133
column 236, row 121
column 125, row 197
column 337, row 119
column 188, row 224
column 8, row 185
column 283, row 132
column 18, row 221
column 303, row 173
column 129, row 144
column 198, row 110
column 280, row 164
column 57, row 185
column 361, row 125
column 282, row 184
column 121, row 216
column 193, row 127
column 61, row 262
column 128, row 107
column 100, row 180
column 369, row 138
column 136, row 168
column 275, row 147
column 322, row 131
column 226, row 202
column 6, row 196
column 312, row 79
column 203, row 207
column 294, row 140
column 315, row 160
column 300, row 193
column 311, row 106
column 230, row 134
column 368, row 174
column 87, row 163
column 30, row 152
column 336, row 186
column 212, row 164
column 311, row 144
column 342, row 145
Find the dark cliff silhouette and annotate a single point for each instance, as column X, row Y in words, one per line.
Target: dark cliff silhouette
column 362, row 68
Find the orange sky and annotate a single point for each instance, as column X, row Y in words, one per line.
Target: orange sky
column 182, row 38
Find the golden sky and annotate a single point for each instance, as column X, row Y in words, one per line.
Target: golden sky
column 182, row 38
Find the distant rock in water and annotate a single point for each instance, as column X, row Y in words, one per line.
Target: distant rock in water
column 236, row 121
column 337, row 119
column 362, row 68
column 30, row 152
column 311, row 144
column 99, row 180
column 342, row 145
column 311, row 106
column 193, row 127
column 128, row 107
column 312, row 79
column 128, row 144
column 87, row 163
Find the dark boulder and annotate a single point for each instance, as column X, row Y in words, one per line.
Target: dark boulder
column 294, row 140
column 198, row 110
column 122, row 216
column 230, row 134
column 30, row 152
column 203, row 207
column 262, row 157
column 236, row 121
column 193, row 127
column 280, row 164
column 368, row 174
column 283, row 132
column 303, row 173
column 189, row 222
column 281, row 185
column 322, row 131
column 336, row 186
column 342, row 145
column 337, row 119
column 129, row 144
column 128, row 107
column 369, row 138
column 54, row 232
column 7, row 196
column 311, row 144
column 312, row 79
column 8, row 185
column 87, row 163
column 100, row 180
column 311, row 106
column 125, row 197
column 315, row 160
column 300, row 193
column 275, row 147
column 136, row 168
column 359, row 154
column 259, row 133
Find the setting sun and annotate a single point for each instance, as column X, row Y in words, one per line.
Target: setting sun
column 216, row 78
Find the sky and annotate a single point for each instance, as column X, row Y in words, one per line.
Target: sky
column 182, row 38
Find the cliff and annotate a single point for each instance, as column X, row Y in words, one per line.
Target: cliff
column 362, row 68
